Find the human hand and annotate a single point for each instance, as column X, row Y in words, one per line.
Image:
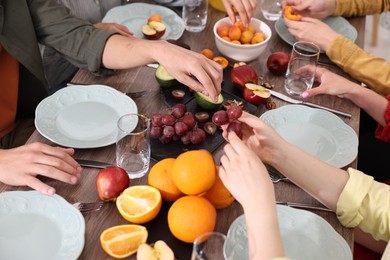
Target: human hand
column 192, row 69
column 312, row 8
column 312, row 30
column 331, row 84
column 21, row 166
column 243, row 173
column 245, row 9
column 119, row 28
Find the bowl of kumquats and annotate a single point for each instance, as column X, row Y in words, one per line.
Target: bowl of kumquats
column 240, row 43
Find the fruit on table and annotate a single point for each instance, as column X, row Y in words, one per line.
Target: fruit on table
column 277, row 62
column 290, row 13
column 239, row 34
column 139, row 204
column 159, row 251
column 160, row 177
column 221, row 61
column 210, row 128
column 164, row 78
column 191, row 216
column 256, row 94
column 178, row 94
column 202, row 116
column 229, row 118
column 123, row 240
column 153, row 30
column 205, row 102
column 110, row 182
column 207, row 53
column 219, row 195
column 193, row 172
column 243, row 74
column 223, row 30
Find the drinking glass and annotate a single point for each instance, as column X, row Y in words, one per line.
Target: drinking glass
column 195, row 14
column 133, row 144
column 271, row 9
column 208, row 246
column 301, row 69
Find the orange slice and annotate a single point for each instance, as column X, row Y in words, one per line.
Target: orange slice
column 123, row 240
column 139, row 204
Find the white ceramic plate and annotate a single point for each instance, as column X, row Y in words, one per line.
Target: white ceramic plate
column 35, row 226
column 337, row 23
column 305, row 236
column 82, row 116
column 135, row 15
column 318, row 132
column 172, row 3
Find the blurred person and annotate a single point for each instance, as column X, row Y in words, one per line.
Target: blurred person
column 23, row 25
column 358, row 201
column 58, row 70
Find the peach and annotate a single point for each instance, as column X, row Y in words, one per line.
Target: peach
column 236, row 42
column 155, row 17
column 240, row 25
column 234, row 33
column 257, row 38
column 251, row 28
column 246, row 37
column 223, row 31
column 226, row 38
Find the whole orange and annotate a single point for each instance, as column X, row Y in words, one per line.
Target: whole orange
column 160, row 178
column 191, row 216
column 219, row 195
column 193, row 172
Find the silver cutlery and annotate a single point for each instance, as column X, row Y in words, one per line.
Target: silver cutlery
column 277, row 178
column 303, row 206
column 295, row 101
column 93, row 164
column 85, row 207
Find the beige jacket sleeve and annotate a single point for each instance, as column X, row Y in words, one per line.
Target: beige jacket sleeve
column 361, row 65
column 365, row 203
column 360, row 7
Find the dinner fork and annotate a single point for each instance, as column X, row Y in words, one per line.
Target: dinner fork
column 275, row 176
column 85, row 207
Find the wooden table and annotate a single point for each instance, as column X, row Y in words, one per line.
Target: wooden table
column 142, row 78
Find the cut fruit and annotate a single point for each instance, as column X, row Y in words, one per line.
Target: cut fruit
column 160, row 251
column 178, row 94
column 153, row 30
column 205, row 101
column 164, row 78
column 221, row 61
column 254, row 87
column 262, row 93
column 123, row 240
column 202, row 116
column 139, row 204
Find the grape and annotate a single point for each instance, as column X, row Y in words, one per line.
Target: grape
column 181, row 128
column 168, row 131
column 156, row 132
column 236, row 127
column 202, row 117
column 178, row 110
column 234, row 112
column 198, row 136
column 164, row 140
column 220, row 118
column 168, row 119
column 210, row 128
column 157, row 120
column 189, row 120
column 186, row 139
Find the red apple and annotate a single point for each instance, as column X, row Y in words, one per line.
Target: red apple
column 277, row 62
column 110, row 182
column 243, row 74
column 153, row 30
column 255, row 94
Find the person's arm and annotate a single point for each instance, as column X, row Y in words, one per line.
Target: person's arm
column 332, row 84
column 21, row 166
column 350, row 8
column 247, row 179
column 312, row 8
column 115, row 27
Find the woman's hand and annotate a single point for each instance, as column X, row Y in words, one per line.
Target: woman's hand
column 21, row 166
column 312, row 8
column 244, row 8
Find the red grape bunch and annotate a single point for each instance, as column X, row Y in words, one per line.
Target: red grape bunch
column 177, row 125
column 229, row 117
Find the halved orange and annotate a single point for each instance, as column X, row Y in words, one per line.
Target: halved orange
column 139, row 204
column 123, row 240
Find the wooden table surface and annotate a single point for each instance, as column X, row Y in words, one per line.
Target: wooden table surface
column 142, row 78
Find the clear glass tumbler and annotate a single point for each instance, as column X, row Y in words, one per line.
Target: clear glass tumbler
column 271, row 9
column 195, row 14
column 209, row 246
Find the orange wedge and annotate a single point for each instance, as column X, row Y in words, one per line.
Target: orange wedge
column 123, row 240
column 139, row 204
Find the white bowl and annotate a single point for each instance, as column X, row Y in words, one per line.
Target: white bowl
column 238, row 52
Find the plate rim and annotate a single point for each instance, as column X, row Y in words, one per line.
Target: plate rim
column 77, row 143
column 31, row 196
column 282, row 209
column 337, row 119
column 128, row 7
column 279, row 24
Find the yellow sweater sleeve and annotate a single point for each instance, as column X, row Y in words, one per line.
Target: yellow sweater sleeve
column 365, row 203
column 360, row 7
column 361, row 65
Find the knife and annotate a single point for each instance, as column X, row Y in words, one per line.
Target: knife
column 93, row 164
column 303, row 206
column 295, row 101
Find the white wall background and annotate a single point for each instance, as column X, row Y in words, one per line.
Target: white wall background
column 383, row 47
